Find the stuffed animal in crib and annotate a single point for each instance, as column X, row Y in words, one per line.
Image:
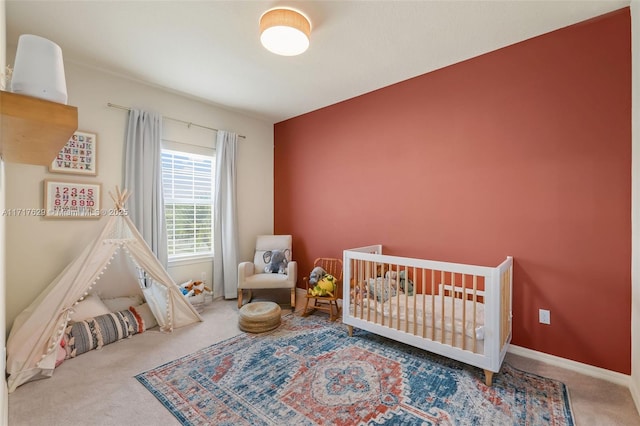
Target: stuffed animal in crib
column 406, row 285
column 276, row 261
column 325, row 287
column 403, row 281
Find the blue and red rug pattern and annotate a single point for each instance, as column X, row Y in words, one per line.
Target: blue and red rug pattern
column 310, row 372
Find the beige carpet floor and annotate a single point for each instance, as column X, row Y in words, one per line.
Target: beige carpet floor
column 99, row 388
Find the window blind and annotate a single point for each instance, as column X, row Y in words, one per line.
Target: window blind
column 188, row 197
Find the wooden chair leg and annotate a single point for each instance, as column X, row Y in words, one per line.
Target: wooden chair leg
column 305, row 311
column 239, row 298
column 333, row 303
column 293, row 298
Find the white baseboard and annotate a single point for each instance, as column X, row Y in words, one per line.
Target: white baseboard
column 4, row 389
column 635, row 394
column 578, row 367
column 4, row 404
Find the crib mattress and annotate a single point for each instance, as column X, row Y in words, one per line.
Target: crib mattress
column 429, row 314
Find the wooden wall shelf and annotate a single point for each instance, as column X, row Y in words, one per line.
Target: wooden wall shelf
column 34, row 130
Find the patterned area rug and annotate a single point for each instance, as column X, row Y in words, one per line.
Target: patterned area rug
column 310, row 372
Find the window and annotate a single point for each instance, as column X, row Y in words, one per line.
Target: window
column 187, row 181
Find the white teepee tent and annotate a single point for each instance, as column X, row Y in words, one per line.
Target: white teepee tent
column 36, row 332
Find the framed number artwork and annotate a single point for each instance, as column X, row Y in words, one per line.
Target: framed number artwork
column 71, row 200
column 78, row 156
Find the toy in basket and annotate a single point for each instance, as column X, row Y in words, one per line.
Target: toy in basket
column 196, row 291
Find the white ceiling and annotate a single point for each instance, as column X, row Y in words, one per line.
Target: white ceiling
column 210, row 50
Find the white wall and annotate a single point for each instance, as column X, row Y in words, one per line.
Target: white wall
column 635, row 203
column 38, row 249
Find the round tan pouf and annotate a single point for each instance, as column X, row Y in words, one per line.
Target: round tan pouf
column 259, row 317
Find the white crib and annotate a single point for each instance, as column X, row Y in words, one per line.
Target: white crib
column 459, row 311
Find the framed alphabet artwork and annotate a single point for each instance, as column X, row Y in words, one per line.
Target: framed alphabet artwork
column 78, row 156
column 71, row 200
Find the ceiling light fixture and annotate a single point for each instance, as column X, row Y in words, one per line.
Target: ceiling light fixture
column 284, row 31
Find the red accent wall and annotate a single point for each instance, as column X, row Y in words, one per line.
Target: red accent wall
column 524, row 151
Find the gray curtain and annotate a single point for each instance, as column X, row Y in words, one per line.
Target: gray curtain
column 225, row 221
column 143, row 177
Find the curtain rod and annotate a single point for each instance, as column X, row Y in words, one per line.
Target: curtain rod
column 188, row 123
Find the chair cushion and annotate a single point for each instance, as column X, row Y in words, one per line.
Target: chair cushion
column 268, row 281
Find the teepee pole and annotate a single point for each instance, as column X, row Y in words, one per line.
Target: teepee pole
column 120, row 198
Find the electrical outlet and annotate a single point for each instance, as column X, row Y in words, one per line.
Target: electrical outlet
column 545, row 316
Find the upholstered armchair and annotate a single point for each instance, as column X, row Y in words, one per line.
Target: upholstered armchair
column 252, row 275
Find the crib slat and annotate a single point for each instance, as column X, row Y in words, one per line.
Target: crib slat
column 424, row 287
column 390, row 300
column 379, row 299
column 378, row 294
column 406, row 290
column 375, row 295
column 406, row 301
column 442, row 322
column 365, row 290
column 382, row 298
column 355, row 286
column 453, row 310
column 358, row 284
column 383, row 289
column 464, row 312
column 394, row 297
column 433, row 305
column 355, row 272
column 424, row 313
column 360, row 278
column 393, row 300
column 475, row 300
column 363, row 271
